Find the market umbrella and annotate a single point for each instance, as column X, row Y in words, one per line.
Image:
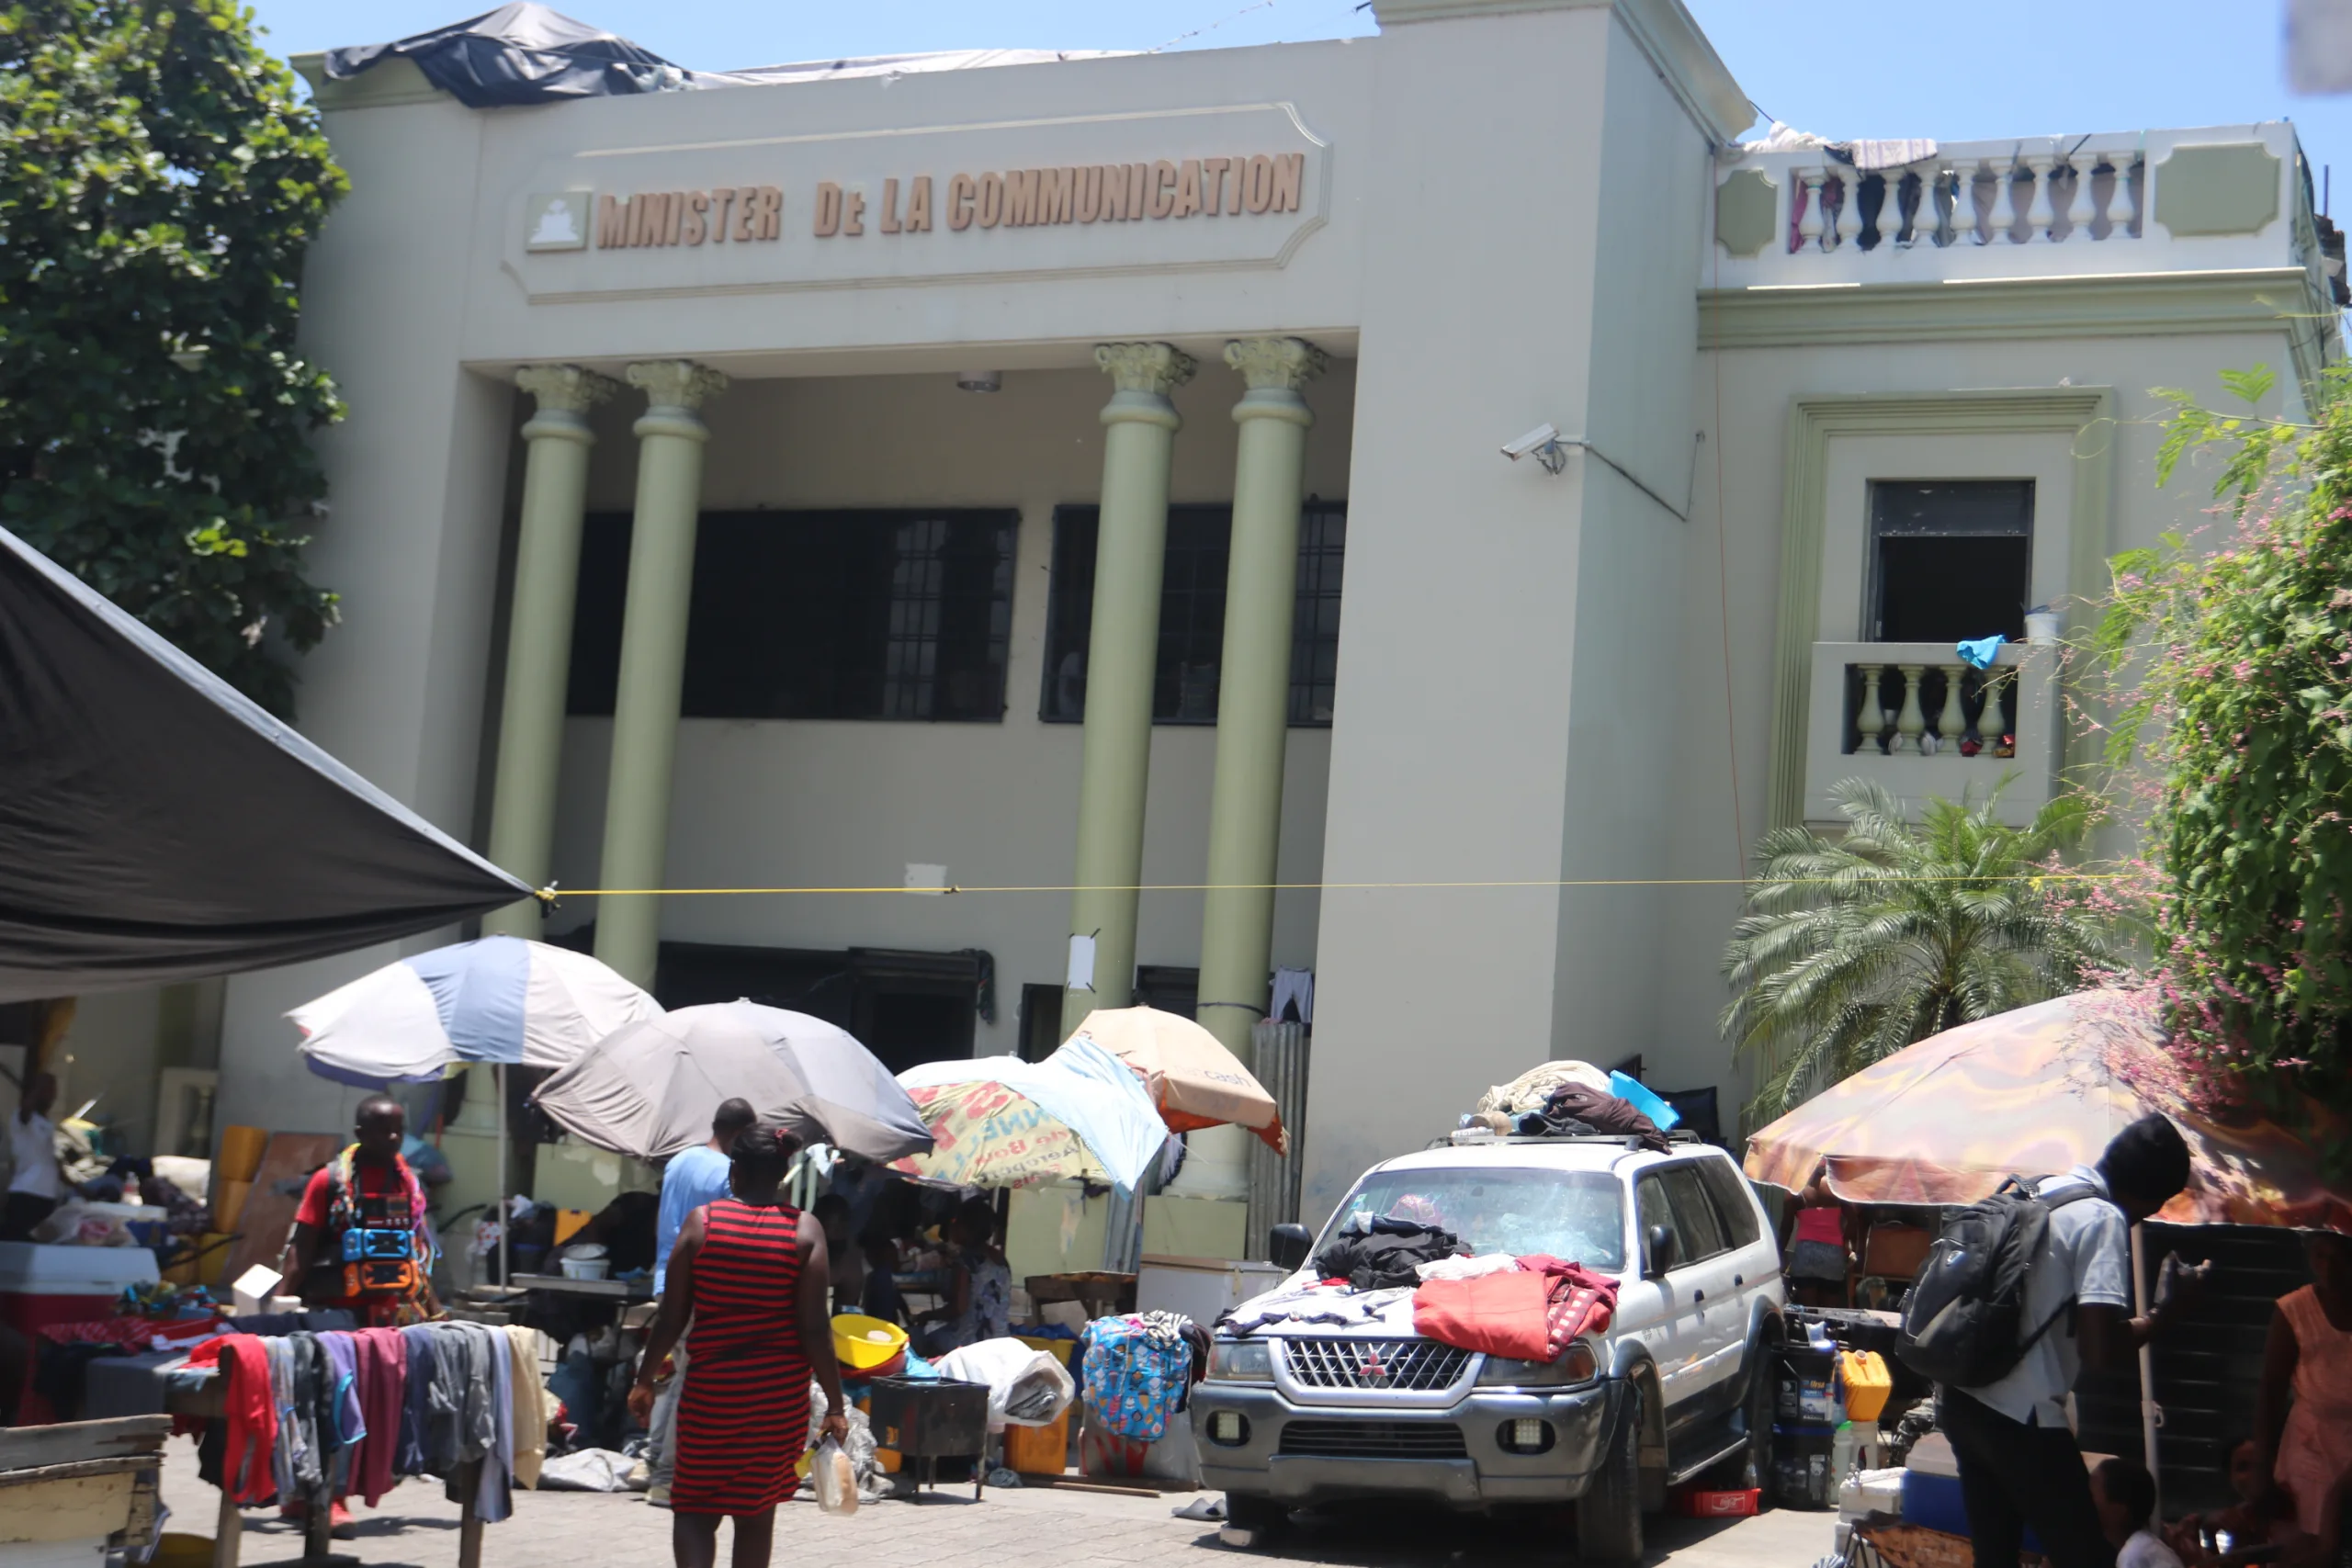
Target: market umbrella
column 1001, row 1122
column 501, row 1000
column 1189, row 1073
column 651, row 1090
column 2032, row 1092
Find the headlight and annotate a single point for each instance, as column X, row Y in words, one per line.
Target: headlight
column 1241, row 1360
column 1577, row 1364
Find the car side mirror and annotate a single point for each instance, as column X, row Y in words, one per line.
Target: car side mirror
column 1287, row 1245
column 1662, row 1248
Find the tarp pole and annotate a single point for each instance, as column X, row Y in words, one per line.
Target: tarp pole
column 2150, row 1417
column 505, row 1219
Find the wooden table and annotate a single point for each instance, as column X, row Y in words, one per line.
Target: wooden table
column 210, row 1403
column 79, row 1482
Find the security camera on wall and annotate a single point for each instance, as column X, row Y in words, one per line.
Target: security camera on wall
column 1543, row 444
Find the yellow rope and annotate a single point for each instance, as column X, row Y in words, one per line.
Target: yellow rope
column 551, row 894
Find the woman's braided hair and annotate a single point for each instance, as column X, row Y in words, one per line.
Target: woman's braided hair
column 763, row 1153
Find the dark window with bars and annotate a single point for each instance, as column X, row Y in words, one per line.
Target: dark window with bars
column 863, row 615
column 1191, row 613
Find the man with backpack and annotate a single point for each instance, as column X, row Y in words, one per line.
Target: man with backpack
column 2019, row 1291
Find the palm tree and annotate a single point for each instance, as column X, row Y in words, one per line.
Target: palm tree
column 1856, row 945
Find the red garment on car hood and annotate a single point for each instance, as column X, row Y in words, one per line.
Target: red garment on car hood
column 1531, row 1315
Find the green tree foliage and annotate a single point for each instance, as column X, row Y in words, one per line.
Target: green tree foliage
column 158, row 185
column 1858, row 944
column 2231, row 670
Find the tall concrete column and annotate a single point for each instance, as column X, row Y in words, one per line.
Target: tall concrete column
column 539, row 631
column 1252, row 723
column 1122, row 646
column 653, row 657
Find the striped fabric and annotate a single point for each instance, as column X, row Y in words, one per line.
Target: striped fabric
column 743, row 1418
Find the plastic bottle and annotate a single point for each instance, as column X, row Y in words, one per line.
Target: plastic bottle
column 1841, row 1455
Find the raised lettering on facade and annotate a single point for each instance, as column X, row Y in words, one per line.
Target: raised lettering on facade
column 1229, row 186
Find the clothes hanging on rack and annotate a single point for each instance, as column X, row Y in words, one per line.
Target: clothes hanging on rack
column 341, row 1412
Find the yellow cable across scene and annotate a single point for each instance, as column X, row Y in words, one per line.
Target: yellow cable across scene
column 551, row 894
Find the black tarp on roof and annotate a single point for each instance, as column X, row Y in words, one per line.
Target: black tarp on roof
column 157, row 826
column 526, row 54
column 520, row 55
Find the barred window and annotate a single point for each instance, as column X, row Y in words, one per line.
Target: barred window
column 863, row 615
column 1191, row 613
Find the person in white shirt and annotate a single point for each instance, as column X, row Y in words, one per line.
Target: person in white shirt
column 2125, row 1494
column 36, row 1184
column 2019, row 1462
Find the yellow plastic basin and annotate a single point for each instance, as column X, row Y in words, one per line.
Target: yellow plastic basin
column 855, row 1345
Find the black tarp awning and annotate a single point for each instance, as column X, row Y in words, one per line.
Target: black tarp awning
column 156, row 826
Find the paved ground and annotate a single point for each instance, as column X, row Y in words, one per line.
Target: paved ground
column 1051, row 1529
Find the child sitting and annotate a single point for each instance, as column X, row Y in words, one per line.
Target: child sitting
column 2126, row 1497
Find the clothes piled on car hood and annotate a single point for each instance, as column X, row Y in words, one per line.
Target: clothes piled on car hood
column 1532, row 1314
column 1378, row 1254
column 1332, row 1306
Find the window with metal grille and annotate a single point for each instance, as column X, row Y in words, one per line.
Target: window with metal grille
column 1949, row 558
column 881, row 614
column 1191, row 613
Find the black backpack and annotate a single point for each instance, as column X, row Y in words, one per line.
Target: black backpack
column 1964, row 1325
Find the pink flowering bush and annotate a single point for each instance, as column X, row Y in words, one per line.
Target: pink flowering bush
column 2230, row 673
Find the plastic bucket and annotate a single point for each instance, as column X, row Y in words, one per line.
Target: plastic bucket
column 857, row 1349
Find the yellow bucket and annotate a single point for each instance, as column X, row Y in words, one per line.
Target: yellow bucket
column 855, row 1347
column 1058, row 1350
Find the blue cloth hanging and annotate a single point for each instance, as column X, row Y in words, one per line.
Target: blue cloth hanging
column 1980, row 652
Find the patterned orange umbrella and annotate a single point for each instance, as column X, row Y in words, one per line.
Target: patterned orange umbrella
column 2031, row 1092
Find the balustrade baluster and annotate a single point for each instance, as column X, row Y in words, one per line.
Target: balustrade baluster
column 1849, row 206
column 1951, row 722
column 1890, row 210
column 2040, row 216
column 2005, row 201
column 2080, row 209
column 1950, row 181
column 1995, row 722
column 2118, row 200
column 1909, row 724
column 1870, row 718
column 1812, row 183
column 1963, row 202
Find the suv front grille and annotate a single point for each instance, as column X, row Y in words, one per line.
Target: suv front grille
column 1374, row 1439
column 1409, row 1366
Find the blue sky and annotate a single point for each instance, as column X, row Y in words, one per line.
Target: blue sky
column 1842, row 68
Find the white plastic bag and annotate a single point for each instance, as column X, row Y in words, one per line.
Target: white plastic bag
column 1027, row 1387
column 836, row 1487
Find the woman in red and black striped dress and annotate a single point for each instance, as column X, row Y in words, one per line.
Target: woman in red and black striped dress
column 750, row 1272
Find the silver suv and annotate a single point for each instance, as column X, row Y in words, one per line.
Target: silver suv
column 1297, row 1414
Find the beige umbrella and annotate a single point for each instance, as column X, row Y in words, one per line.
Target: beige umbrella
column 1192, row 1077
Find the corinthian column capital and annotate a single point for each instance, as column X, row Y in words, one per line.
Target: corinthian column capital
column 1153, row 368
column 679, row 384
column 1275, row 364
column 565, row 388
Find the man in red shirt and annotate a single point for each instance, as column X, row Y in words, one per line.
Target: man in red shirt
column 361, row 1241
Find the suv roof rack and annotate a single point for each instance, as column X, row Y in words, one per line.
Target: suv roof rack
column 1620, row 1140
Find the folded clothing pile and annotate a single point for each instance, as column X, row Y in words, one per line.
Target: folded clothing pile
column 1383, row 1252
column 1530, row 1314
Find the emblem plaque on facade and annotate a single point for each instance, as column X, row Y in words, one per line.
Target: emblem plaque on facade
column 557, row 221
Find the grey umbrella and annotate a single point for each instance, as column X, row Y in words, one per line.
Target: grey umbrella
column 650, row 1088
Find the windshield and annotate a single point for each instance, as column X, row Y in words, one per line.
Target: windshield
column 1575, row 1216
